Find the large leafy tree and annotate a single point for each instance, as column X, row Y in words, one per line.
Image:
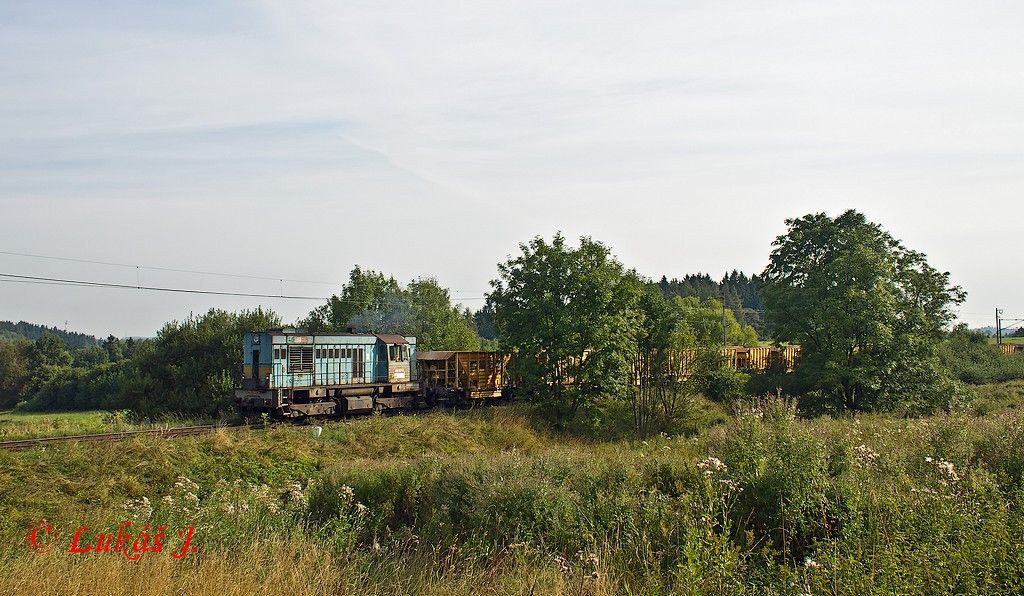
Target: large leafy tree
column 439, row 325
column 869, row 312
column 375, row 303
column 570, row 316
column 14, row 370
column 701, row 322
column 366, row 290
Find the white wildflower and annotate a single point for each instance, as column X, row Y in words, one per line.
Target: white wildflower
column 294, row 493
column 711, row 465
column 949, row 470
column 864, row 455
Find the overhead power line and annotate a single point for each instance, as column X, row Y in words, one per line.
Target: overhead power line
column 171, row 269
column 33, row 279
column 194, row 272
column 99, row 284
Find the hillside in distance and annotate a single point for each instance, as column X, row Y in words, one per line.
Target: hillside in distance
column 23, row 330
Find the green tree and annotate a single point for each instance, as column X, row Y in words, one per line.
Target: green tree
column 191, row 367
column 868, row 312
column 49, row 350
column 89, row 357
column 570, row 316
column 14, row 370
column 484, row 321
column 437, row 324
column 114, row 347
column 374, row 303
column 700, row 321
column 366, row 291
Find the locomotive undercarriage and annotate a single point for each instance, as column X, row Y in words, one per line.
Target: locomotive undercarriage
column 328, row 401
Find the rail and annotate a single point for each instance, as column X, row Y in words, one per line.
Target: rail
column 168, row 433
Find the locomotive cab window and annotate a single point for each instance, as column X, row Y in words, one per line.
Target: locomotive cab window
column 398, row 353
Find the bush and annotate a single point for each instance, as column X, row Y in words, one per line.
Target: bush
column 723, row 384
column 972, row 359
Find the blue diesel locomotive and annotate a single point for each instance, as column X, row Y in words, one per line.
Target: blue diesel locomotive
column 292, row 373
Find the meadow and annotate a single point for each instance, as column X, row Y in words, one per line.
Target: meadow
column 486, row 502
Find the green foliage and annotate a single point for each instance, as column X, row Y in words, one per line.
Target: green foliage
column 739, row 292
column 868, row 313
column 364, row 291
column 724, row 384
column 997, row 397
column 15, row 369
column 23, row 330
column 374, row 303
column 700, row 323
column 190, row 368
column 570, row 316
column 49, row 350
column 972, row 359
column 436, row 324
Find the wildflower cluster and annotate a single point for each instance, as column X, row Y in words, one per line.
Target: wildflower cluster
column 139, row 509
column 185, row 495
column 864, row 455
column 585, row 566
column 946, row 469
column 711, row 465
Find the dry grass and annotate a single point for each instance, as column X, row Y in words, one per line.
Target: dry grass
column 292, row 566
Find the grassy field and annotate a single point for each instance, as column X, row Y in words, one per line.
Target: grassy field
column 485, row 503
column 1009, row 340
column 22, row 425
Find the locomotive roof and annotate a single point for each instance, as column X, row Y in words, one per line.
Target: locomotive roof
column 392, row 339
column 387, row 338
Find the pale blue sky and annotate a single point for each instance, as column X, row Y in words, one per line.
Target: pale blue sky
column 429, row 138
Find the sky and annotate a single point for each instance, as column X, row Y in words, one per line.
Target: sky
column 293, row 140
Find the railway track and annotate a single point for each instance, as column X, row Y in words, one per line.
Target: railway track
column 168, row 433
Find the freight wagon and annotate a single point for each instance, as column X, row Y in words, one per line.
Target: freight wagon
column 460, row 377
column 1012, row 349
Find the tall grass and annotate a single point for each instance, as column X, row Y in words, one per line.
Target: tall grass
column 483, row 503
column 16, row 424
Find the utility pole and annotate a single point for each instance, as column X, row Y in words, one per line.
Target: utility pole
column 999, row 328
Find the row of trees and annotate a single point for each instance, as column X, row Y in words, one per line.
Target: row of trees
column 871, row 315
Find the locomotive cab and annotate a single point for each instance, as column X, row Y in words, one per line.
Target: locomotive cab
column 397, row 358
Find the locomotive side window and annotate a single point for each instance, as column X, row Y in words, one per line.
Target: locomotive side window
column 358, row 364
